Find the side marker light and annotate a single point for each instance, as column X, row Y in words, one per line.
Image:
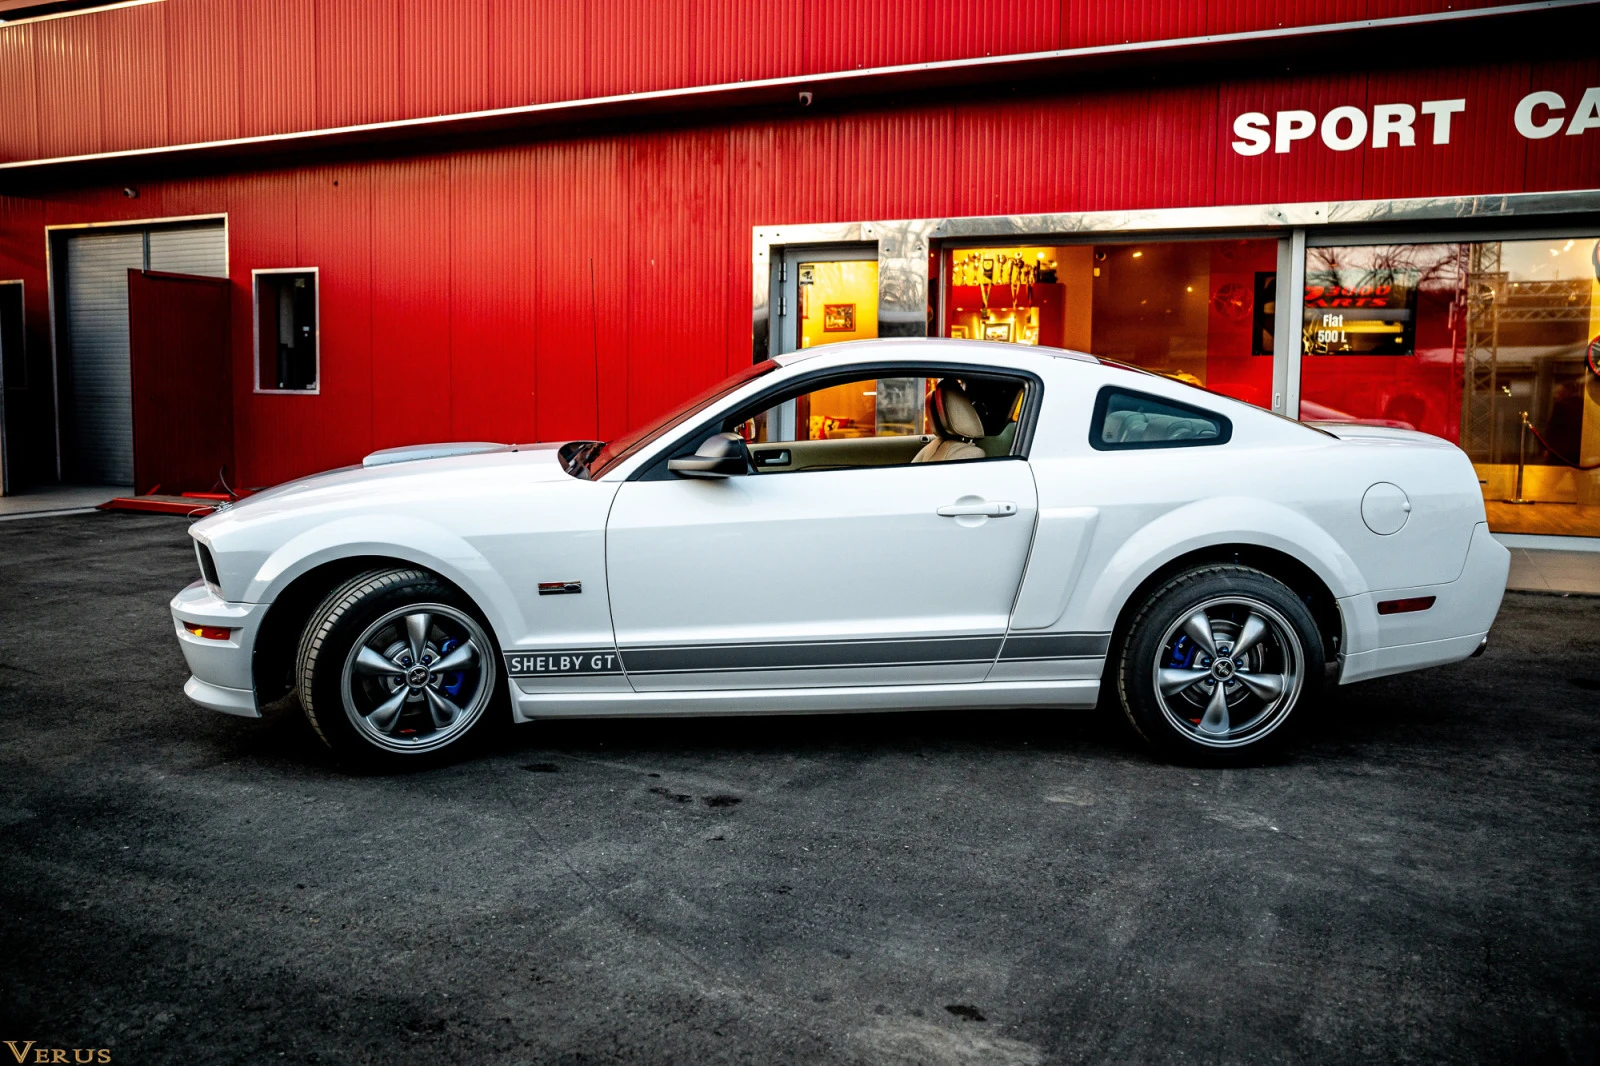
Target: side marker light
column 1416, row 603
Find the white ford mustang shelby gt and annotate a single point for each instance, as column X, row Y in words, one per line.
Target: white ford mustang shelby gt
column 994, row 526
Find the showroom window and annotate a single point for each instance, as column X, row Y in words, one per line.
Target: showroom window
column 1200, row 312
column 286, row 330
column 1483, row 343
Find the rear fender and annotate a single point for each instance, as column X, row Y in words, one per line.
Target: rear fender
column 1210, row 523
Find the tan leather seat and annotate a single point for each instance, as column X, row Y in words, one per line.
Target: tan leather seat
column 955, row 426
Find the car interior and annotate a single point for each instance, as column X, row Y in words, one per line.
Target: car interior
column 845, row 426
column 1134, row 420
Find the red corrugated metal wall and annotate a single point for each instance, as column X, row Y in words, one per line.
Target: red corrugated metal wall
column 577, row 287
column 183, row 71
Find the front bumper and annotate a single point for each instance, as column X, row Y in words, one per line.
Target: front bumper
column 1454, row 628
column 221, row 669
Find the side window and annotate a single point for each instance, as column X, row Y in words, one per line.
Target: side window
column 1125, row 420
column 884, row 422
column 872, row 407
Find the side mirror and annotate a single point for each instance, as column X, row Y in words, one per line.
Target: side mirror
column 724, row 455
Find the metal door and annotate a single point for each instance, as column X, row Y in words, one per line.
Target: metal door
column 823, row 296
column 181, row 381
column 806, row 281
column 95, row 383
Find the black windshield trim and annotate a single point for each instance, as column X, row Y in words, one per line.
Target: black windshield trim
column 653, row 430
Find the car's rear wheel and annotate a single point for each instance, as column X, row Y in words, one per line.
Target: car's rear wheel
column 1217, row 662
column 396, row 667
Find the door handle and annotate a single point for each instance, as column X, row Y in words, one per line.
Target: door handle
column 987, row 510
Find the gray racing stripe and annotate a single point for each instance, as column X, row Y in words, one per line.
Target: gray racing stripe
column 1055, row 646
column 721, row 657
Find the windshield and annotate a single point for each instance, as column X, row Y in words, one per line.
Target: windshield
column 593, row 458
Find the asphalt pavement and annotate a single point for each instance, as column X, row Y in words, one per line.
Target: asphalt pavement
column 1416, row 881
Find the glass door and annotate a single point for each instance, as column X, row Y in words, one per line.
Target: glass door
column 827, row 296
column 1489, row 344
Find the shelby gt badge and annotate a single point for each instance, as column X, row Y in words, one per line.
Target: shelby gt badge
column 545, row 663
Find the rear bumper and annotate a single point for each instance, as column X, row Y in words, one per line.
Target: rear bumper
column 221, row 669
column 1452, row 629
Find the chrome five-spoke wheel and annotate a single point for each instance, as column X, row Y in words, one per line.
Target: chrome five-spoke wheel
column 1229, row 671
column 416, row 678
column 1217, row 660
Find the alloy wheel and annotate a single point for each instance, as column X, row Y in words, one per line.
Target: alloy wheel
column 418, row 677
column 1229, row 671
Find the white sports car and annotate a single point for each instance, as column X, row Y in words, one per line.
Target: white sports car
column 884, row 525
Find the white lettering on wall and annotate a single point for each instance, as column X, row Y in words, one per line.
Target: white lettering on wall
column 1538, row 115
column 1293, row 126
column 1395, row 119
column 1251, row 129
column 1587, row 116
column 1523, row 117
column 1441, row 110
column 1330, row 128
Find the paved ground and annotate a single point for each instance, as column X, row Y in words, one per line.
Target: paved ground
column 1416, row 882
column 58, row 498
column 1543, row 570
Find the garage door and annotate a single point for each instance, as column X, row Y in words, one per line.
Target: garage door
column 97, row 408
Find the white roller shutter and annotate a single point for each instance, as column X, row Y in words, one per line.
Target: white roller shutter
column 190, row 250
column 97, row 423
column 100, row 424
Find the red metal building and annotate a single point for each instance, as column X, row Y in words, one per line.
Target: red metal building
column 534, row 220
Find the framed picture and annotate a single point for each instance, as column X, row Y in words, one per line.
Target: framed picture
column 997, row 331
column 838, row 318
column 958, row 333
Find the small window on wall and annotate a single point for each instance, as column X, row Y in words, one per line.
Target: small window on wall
column 13, row 367
column 286, row 330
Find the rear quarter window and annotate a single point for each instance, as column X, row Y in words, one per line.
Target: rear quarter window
column 1125, row 420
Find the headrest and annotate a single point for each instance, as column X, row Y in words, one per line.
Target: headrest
column 953, row 414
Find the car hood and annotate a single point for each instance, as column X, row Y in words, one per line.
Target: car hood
column 428, row 471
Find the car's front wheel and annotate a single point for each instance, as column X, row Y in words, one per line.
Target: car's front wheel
column 395, row 666
column 1216, row 663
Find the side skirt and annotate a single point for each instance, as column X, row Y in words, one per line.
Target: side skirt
column 851, row 700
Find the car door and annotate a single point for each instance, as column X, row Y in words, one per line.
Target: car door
column 831, row 575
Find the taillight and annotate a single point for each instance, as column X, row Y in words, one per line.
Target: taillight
column 1415, row 603
column 208, row 632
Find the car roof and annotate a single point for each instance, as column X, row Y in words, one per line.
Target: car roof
column 946, row 348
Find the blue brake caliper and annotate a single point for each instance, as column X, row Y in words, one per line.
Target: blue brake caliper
column 1182, row 654
column 451, row 683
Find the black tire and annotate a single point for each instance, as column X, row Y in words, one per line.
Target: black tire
column 344, row 701
column 1167, row 679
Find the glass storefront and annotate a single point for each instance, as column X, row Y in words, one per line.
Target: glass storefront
column 1483, row 343
column 1198, row 311
column 1489, row 344
column 1492, row 345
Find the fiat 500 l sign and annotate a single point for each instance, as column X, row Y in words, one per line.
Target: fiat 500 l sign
column 1538, row 115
